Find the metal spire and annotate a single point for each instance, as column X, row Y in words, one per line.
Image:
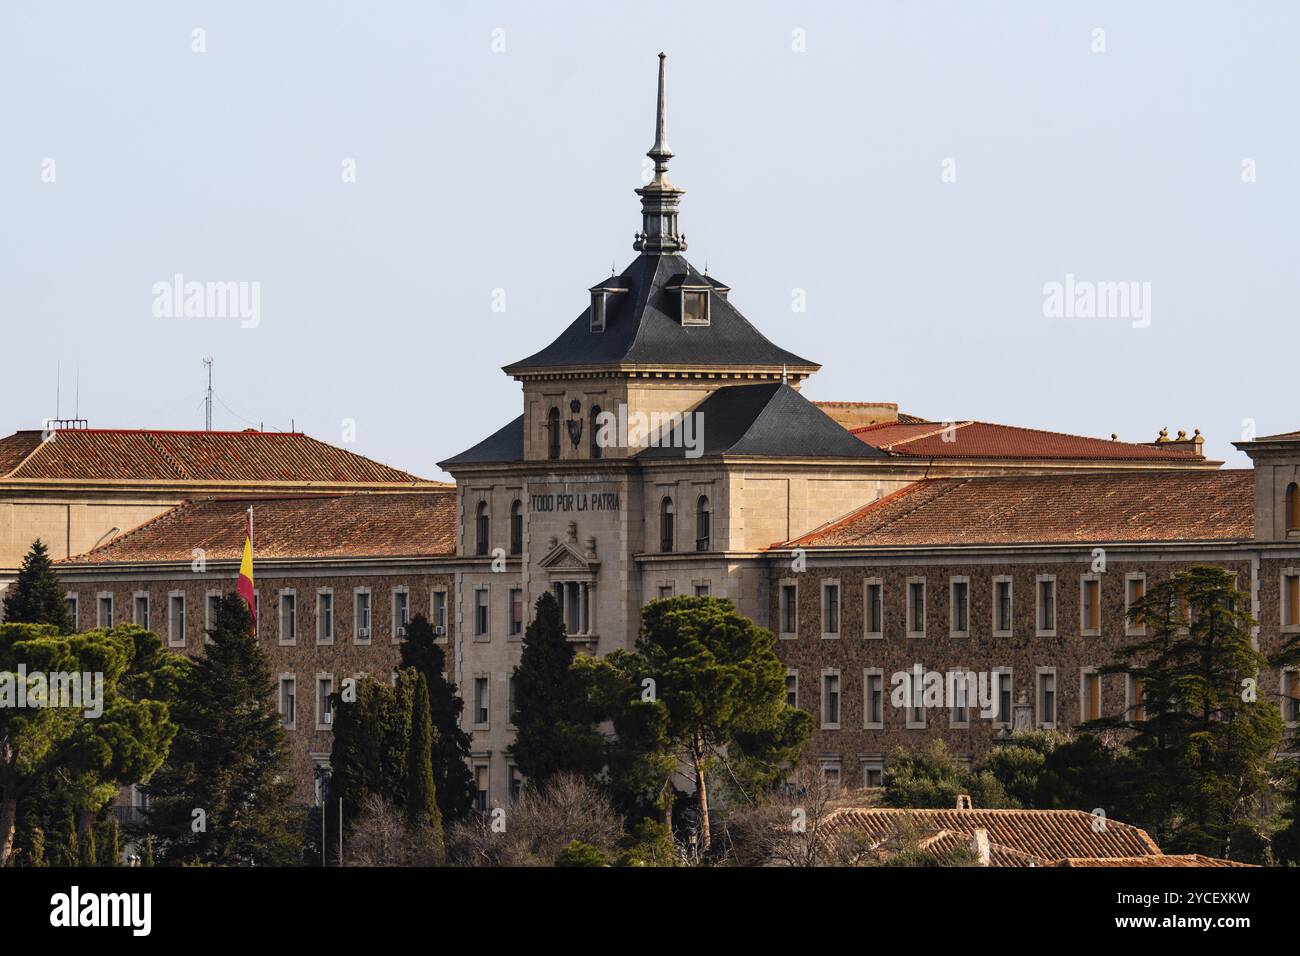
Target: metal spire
column 659, row 197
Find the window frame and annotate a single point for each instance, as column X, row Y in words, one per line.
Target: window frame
column 1040, row 710
column 1131, row 578
column 868, row 674
column 369, row 625
column 829, row 674
column 1086, row 605
column 786, row 608
column 829, row 585
column 998, row 581
column 172, row 639
column 292, row 595
column 869, row 606
column 1040, row 607
column 954, row 582
column 912, row 630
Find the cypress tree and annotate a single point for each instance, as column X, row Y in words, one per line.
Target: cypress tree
column 421, row 794
column 148, row 849
column 451, row 744
column 70, row 853
column 38, row 597
column 553, row 712
column 230, row 757
column 89, row 852
column 114, row 850
column 36, row 850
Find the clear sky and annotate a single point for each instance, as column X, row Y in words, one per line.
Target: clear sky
column 496, row 147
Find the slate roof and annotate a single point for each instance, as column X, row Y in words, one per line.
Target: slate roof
column 770, row 420
column 642, row 328
column 1022, row 837
column 971, row 439
column 504, row 445
column 398, row 524
column 1050, row 509
column 90, row 454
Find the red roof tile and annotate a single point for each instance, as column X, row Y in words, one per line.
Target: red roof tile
column 1161, row 860
column 1050, row 509
column 969, row 439
column 1037, row 834
column 153, row 455
column 397, row 524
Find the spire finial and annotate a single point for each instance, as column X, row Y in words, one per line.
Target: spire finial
column 659, row 197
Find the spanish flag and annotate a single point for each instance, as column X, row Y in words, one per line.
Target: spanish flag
column 245, row 586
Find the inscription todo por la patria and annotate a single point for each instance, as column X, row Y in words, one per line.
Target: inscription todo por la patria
column 575, row 501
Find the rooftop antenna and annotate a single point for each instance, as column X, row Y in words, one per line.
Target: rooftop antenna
column 207, row 399
column 76, row 408
column 58, row 389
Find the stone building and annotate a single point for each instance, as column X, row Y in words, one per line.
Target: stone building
column 664, row 447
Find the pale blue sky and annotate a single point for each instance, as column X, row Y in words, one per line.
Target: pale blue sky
column 816, row 170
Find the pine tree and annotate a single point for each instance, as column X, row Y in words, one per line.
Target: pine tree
column 451, row 744
column 38, row 597
column 554, row 716
column 421, row 793
column 1205, row 743
column 229, row 760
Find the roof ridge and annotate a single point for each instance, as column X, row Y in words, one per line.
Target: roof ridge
column 930, row 434
column 168, row 456
column 175, row 509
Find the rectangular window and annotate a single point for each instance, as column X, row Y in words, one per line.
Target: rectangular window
column 1291, row 599
column 71, row 602
column 873, row 774
column 960, row 594
column 288, row 711
column 440, row 613
column 211, row 606
column 1091, row 695
column 176, row 619
column 874, row 608
column 325, row 617
column 481, row 612
column 916, row 706
column 1002, row 607
column 516, row 782
column 1291, row 706
column 104, row 611
column 142, row 611
column 1135, row 588
column 915, row 608
column 481, row 701
column 481, row 788
column 324, row 703
column 516, row 610
column 792, row 688
column 831, row 609
column 362, row 619
column 831, row 776
column 1090, row 606
column 665, row 591
column 961, row 698
column 1047, row 606
column 874, row 699
column 401, row 613
column 1047, row 699
column 1136, row 698
column 695, row 307
column 830, row 701
column 1003, row 715
column 789, row 610
column 288, row 618
column 701, row 590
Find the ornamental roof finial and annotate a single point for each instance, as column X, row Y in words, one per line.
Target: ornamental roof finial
column 659, row 197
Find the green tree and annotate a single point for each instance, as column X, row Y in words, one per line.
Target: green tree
column 451, row 744
column 554, row 718
column 70, row 852
column 38, row 597
column 36, row 847
column 223, row 796
column 421, row 792
column 62, row 759
column 1206, row 743
column 113, row 845
column 89, row 849
column 577, row 853
column 148, row 849
column 704, row 685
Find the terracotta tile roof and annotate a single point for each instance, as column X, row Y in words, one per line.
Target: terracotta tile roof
column 1028, row 836
column 1284, row 436
column 1161, row 860
column 1050, row 509
column 970, row 439
column 155, row 455
column 397, row 524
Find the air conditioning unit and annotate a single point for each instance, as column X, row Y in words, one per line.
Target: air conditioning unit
column 439, row 631
column 363, row 632
column 401, row 631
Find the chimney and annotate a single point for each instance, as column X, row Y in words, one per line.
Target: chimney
column 963, row 801
column 853, row 415
column 979, row 844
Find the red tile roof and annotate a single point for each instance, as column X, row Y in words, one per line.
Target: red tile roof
column 970, row 439
column 154, row 455
column 1023, row 837
column 397, row 524
column 1051, row 509
column 1162, row 860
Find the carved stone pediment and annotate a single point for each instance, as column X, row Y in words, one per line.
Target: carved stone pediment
column 564, row 559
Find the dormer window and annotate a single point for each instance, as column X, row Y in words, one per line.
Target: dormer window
column 602, row 301
column 695, row 307
column 598, row 312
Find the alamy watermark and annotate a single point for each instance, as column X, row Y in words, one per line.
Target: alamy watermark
column 180, row 299
column 1086, row 299
column 624, row 429
column 73, row 690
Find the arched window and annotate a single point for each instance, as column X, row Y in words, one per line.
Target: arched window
column 517, row 528
column 481, row 528
column 1293, row 507
column 666, row 524
column 594, row 427
column 553, row 433
column 702, row 519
